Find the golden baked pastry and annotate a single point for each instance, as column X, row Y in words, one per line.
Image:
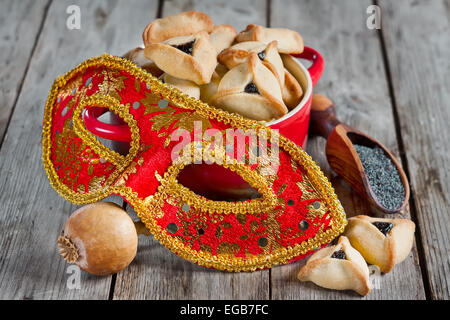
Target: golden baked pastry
column 251, row 90
column 289, row 41
column 238, row 53
column 222, row 36
column 185, row 86
column 292, row 91
column 177, row 25
column 221, row 70
column 187, row 57
column 382, row 242
column 136, row 55
column 268, row 54
column 338, row 267
column 208, row 90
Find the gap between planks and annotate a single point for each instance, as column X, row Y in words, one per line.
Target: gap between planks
column 404, row 160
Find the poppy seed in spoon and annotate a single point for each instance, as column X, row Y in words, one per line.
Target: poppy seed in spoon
column 383, row 176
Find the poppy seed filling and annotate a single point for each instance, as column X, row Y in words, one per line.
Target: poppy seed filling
column 251, row 88
column 262, row 55
column 340, row 254
column 185, row 47
column 384, row 227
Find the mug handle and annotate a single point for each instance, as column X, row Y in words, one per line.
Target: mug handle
column 116, row 132
column 318, row 64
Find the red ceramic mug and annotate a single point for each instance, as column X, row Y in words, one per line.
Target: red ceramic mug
column 214, row 181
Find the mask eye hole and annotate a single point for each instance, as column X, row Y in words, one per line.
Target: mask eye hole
column 87, row 125
column 216, row 183
column 109, row 129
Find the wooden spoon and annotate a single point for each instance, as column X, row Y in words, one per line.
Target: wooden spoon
column 341, row 153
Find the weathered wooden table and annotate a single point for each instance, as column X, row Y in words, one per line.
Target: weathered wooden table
column 392, row 83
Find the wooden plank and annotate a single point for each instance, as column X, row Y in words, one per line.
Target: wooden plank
column 416, row 34
column 157, row 273
column 32, row 213
column 20, row 23
column 235, row 12
column 355, row 80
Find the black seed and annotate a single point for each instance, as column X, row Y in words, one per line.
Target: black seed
column 384, row 227
column 290, row 202
column 303, row 225
column 262, row 242
column 172, row 227
column 201, row 231
column 251, row 88
column 383, row 176
column 185, row 47
column 340, row 254
column 262, row 55
column 316, row 205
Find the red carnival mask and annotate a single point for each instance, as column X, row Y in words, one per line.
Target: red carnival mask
column 296, row 213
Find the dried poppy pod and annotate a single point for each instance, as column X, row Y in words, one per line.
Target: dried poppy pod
column 100, row 238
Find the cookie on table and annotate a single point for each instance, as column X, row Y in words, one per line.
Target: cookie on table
column 289, row 41
column 382, row 242
column 187, row 57
column 185, row 86
column 177, row 25
column 137, row 56
column 222, row 36
column 251, row 90
column 338, row 267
